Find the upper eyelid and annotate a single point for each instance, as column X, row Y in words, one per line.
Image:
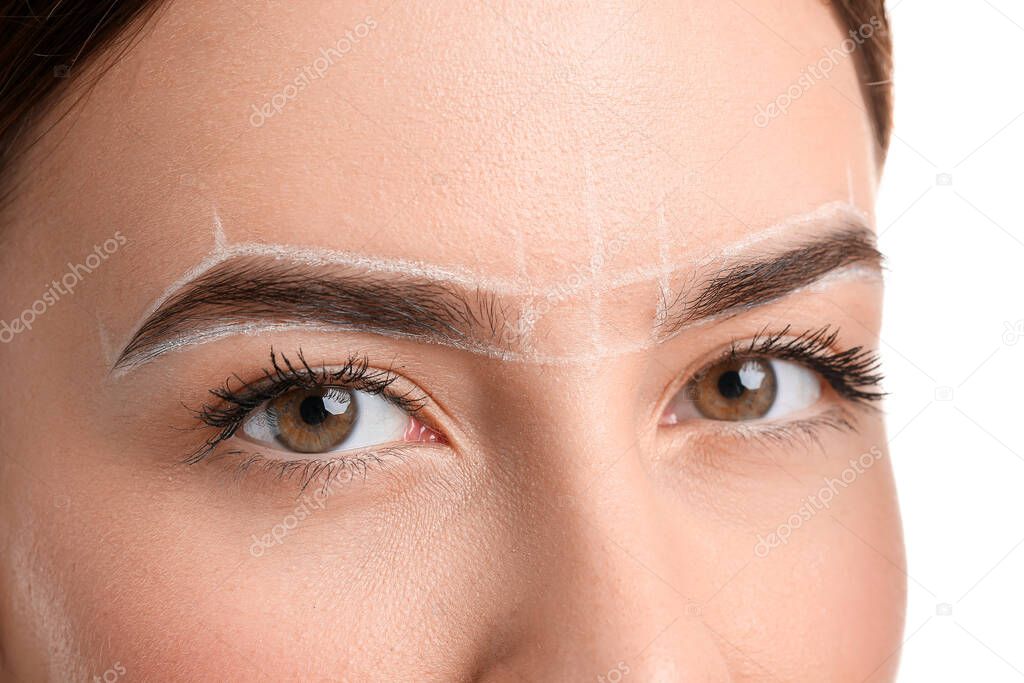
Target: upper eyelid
column 357, row 373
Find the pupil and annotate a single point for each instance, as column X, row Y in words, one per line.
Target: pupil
column 312, row 410
column 730, row 385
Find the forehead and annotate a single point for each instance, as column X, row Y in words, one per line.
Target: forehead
column 512, row 140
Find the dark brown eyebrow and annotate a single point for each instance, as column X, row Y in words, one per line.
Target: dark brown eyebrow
column 246, row 291
column 757, row 281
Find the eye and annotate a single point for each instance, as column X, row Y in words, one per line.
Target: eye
column 744, row 389
column 330, row 419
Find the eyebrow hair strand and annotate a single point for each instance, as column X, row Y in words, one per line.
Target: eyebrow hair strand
column 756, row 282
column 264, row 293
column 235, row 293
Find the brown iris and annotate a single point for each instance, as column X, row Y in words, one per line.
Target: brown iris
column 735, row 389
column 314, row 420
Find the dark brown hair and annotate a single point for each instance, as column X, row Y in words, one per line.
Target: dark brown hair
column 875, row 63
column 46, row 43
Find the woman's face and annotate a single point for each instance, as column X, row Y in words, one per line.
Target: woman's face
column 586, row 254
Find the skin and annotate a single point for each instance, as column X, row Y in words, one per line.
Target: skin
column 561, row 533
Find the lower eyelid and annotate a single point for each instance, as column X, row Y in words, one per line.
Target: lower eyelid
column 805, row 431
column 717, row 444
column 318, row 474
column 321, row 470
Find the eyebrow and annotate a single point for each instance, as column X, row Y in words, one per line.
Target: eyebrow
column 243, row 292
column 758, row 281
column 246, row 293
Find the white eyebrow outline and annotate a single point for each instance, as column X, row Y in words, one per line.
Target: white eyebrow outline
column 224, row 251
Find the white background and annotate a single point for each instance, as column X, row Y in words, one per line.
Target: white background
column 953, row 338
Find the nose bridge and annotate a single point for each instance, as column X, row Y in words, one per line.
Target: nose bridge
column 610, row 595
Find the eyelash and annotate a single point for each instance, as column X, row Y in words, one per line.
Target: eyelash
column 326, row 472
column 234, row 404
column 855, row 374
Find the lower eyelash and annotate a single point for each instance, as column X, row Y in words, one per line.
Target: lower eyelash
column 804, row 433
column 325, row 473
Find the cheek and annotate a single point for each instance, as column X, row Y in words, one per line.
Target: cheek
column 829, row 573
column 167, row 583
column 113, row 578
column 164, row 603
